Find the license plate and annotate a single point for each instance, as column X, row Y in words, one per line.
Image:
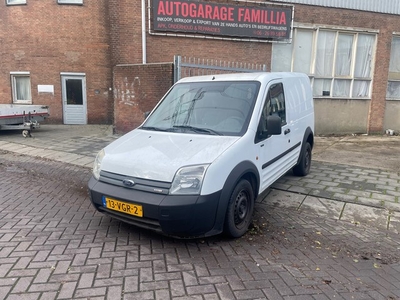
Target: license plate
column 127, row 208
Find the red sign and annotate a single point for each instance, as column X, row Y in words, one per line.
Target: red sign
column 208, row 18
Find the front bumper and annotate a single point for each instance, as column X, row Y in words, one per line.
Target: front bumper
column 180, row 216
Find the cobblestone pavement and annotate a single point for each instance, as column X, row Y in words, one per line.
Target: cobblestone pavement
column 354, row 194
column 54, row 245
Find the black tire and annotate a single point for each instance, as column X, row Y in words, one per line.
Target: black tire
column 240, row 209
column 304, row 165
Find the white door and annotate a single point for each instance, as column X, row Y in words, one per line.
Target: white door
column 74, row 98
column 277, row 153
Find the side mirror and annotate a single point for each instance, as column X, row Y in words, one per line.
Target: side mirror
column 146, row 114
column 274, row 125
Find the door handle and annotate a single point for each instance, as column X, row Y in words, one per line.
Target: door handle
column 286, row 131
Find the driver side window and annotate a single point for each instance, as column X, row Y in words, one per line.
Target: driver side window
column 274, row 105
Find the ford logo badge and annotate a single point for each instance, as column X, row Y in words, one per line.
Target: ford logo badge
column 128, row 182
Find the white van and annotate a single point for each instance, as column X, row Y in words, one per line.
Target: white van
column 208, row 149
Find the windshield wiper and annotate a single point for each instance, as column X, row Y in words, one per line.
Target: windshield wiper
column 198, row 129
column 155, row 128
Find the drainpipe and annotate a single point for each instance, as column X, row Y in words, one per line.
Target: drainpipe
column 143, row 31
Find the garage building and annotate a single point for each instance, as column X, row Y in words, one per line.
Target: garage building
column 110, row 61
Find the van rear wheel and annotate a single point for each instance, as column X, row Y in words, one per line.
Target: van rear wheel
column 304, row 165
column 240, row 209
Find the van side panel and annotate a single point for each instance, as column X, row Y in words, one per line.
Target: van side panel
column 301, row 109
column 300, row 104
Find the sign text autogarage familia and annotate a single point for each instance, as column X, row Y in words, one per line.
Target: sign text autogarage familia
column 261, row 22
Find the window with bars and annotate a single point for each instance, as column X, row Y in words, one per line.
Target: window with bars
column 339, row 63
column 393, row 88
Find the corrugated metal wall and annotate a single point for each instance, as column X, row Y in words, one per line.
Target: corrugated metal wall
column 380, row 6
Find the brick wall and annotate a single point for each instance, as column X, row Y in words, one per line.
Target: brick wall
column 126, row 31
column 137, row 89
column 126, row 35
column 46, row 38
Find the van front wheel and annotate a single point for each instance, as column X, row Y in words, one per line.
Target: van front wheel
column 304, row 165
column 240, row 209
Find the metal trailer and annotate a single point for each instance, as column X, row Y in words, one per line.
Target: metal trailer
column 22, row 117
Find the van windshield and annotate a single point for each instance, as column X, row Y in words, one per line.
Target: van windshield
column 217, row 108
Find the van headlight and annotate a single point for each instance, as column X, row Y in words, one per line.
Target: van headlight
column 97, row 164
column 188, row 180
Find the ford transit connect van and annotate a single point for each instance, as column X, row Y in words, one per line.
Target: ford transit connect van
column 209, row 148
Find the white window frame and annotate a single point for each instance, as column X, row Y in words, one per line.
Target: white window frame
column 15, row 2
column 76, row 2
column 14, row 78
column 332, row 78
column 396, row 78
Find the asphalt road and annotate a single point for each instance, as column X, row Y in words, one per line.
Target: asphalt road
column 368, row 151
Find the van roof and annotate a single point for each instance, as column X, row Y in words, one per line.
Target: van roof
column 259, row 76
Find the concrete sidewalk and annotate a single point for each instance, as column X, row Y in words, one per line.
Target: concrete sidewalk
column 73, row 144
column 353, row 178
column 366, row 151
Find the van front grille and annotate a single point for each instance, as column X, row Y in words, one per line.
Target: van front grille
column 140, row 184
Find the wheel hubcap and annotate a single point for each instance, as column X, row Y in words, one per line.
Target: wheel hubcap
column 241, row 208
